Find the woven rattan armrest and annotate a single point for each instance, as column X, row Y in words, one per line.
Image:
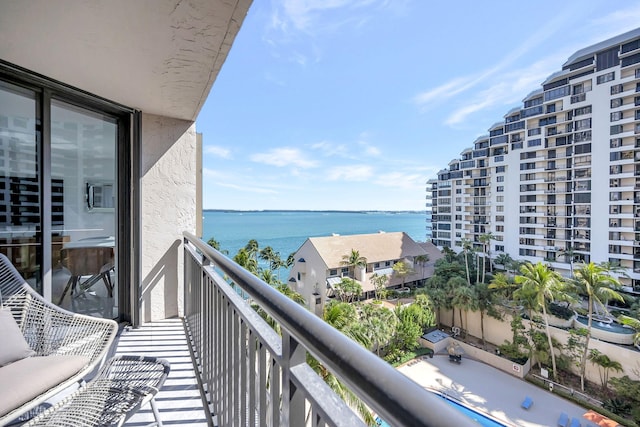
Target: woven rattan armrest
column 122, row 387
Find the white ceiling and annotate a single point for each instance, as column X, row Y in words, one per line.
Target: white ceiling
column 159, row 56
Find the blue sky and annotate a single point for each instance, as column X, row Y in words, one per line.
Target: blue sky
column 354, row 105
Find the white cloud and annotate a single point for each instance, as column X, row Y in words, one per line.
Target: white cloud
column 402, row 180
column 284, row 156
column 507, row 88
column 329, row 149
column 247, row 188
column 350, row 173
column 218, row 151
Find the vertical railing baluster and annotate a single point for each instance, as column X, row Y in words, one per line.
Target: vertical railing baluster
column 293, row 400
column 235, row 360
column 253, row 378
column 218, row 354
column 263, row 386
column 275, row 387
column 228, row 387
column 243, row 362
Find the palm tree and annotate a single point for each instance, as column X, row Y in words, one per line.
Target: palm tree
column 268, row 277
column 216, row 245
column 379, row 323
column 402, row 269
column 635, row 324
column 353, row 260
column 267, row 254
column 571, row 254
column 464, row 298
column 467, row 246
column 379, row 285
column 546, row 285
column 592, row 280
column 291, row 259
column 504, row 260
column 252, row 249
column 452, row 285
column 422, row 260
column 484, row 302
column 348, row 289
column 605, row 364
column 244, row 259
column 486, row 239
column 449, row 254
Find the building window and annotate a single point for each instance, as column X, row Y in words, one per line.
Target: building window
column 615, row 103
column 500, row 178
column 606, row 77
column 616, row 89
column 500, row 208
column 345, row 270
column 616, row 129
column 582, row 110
column 500, row 188
column 582, row 124
column 333, row 272
column 499, row 218
column 500, row 169
column 500, row 199
column 616, row 115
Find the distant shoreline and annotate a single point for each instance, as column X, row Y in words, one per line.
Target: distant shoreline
column 312, row 211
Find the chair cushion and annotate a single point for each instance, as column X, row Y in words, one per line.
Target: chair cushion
column 14, row 347
column 26, row 379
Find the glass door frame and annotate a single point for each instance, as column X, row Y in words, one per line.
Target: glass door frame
column 127, row 173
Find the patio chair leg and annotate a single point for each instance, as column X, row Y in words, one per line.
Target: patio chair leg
column 106, row 278
column 66, row 289
column 156, row 413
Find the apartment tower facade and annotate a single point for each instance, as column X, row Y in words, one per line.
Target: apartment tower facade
column 558, row 180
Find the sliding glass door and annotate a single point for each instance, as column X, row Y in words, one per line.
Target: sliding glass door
column 83, row 221
column 65, row 210
column 20, row 195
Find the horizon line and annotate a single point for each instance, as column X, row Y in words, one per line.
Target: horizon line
column 313, row 210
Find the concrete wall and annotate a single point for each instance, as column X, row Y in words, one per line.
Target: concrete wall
column 168, row 207
column 496, row 361
column 497, row 332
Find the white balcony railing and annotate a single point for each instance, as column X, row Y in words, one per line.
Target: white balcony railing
column 255, row 376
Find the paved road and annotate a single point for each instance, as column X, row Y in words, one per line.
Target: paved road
column 492, row 391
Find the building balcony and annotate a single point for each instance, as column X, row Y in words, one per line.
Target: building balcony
column 254, row 375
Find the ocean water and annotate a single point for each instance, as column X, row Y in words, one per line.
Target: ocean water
column 286, row 231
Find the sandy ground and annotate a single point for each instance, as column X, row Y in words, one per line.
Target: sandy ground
column 492, row 391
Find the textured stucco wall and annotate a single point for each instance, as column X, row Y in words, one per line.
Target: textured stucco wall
column 168, row 207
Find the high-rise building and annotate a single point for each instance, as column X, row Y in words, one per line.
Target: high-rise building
column 558, row 180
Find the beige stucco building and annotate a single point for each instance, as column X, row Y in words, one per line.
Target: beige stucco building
column 320, row 265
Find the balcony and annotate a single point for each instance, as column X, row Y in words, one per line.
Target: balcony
column 256, row 376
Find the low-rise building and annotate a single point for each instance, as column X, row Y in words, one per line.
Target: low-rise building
column 320, row 264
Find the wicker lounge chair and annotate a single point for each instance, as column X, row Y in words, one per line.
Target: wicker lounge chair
column 123, row 386
column 60, row 347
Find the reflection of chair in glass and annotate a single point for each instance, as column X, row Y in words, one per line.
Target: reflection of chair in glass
column 96, row 262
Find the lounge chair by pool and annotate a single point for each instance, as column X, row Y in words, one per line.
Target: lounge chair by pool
column 563, row 420
column 575, row 423
column 527, row 402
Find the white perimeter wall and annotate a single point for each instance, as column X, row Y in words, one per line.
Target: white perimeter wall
column 497, row 331
column 168, row 207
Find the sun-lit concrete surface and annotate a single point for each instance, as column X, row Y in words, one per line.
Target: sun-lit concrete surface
column 179, row 401
column 492, row 391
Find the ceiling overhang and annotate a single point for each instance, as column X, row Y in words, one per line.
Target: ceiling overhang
column 158, row 56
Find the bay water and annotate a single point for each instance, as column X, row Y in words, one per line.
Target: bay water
column 286, row 231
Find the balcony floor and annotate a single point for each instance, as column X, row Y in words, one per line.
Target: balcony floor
column 179, row 401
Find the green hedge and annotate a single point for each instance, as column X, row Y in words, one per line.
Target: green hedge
column 410, row 355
